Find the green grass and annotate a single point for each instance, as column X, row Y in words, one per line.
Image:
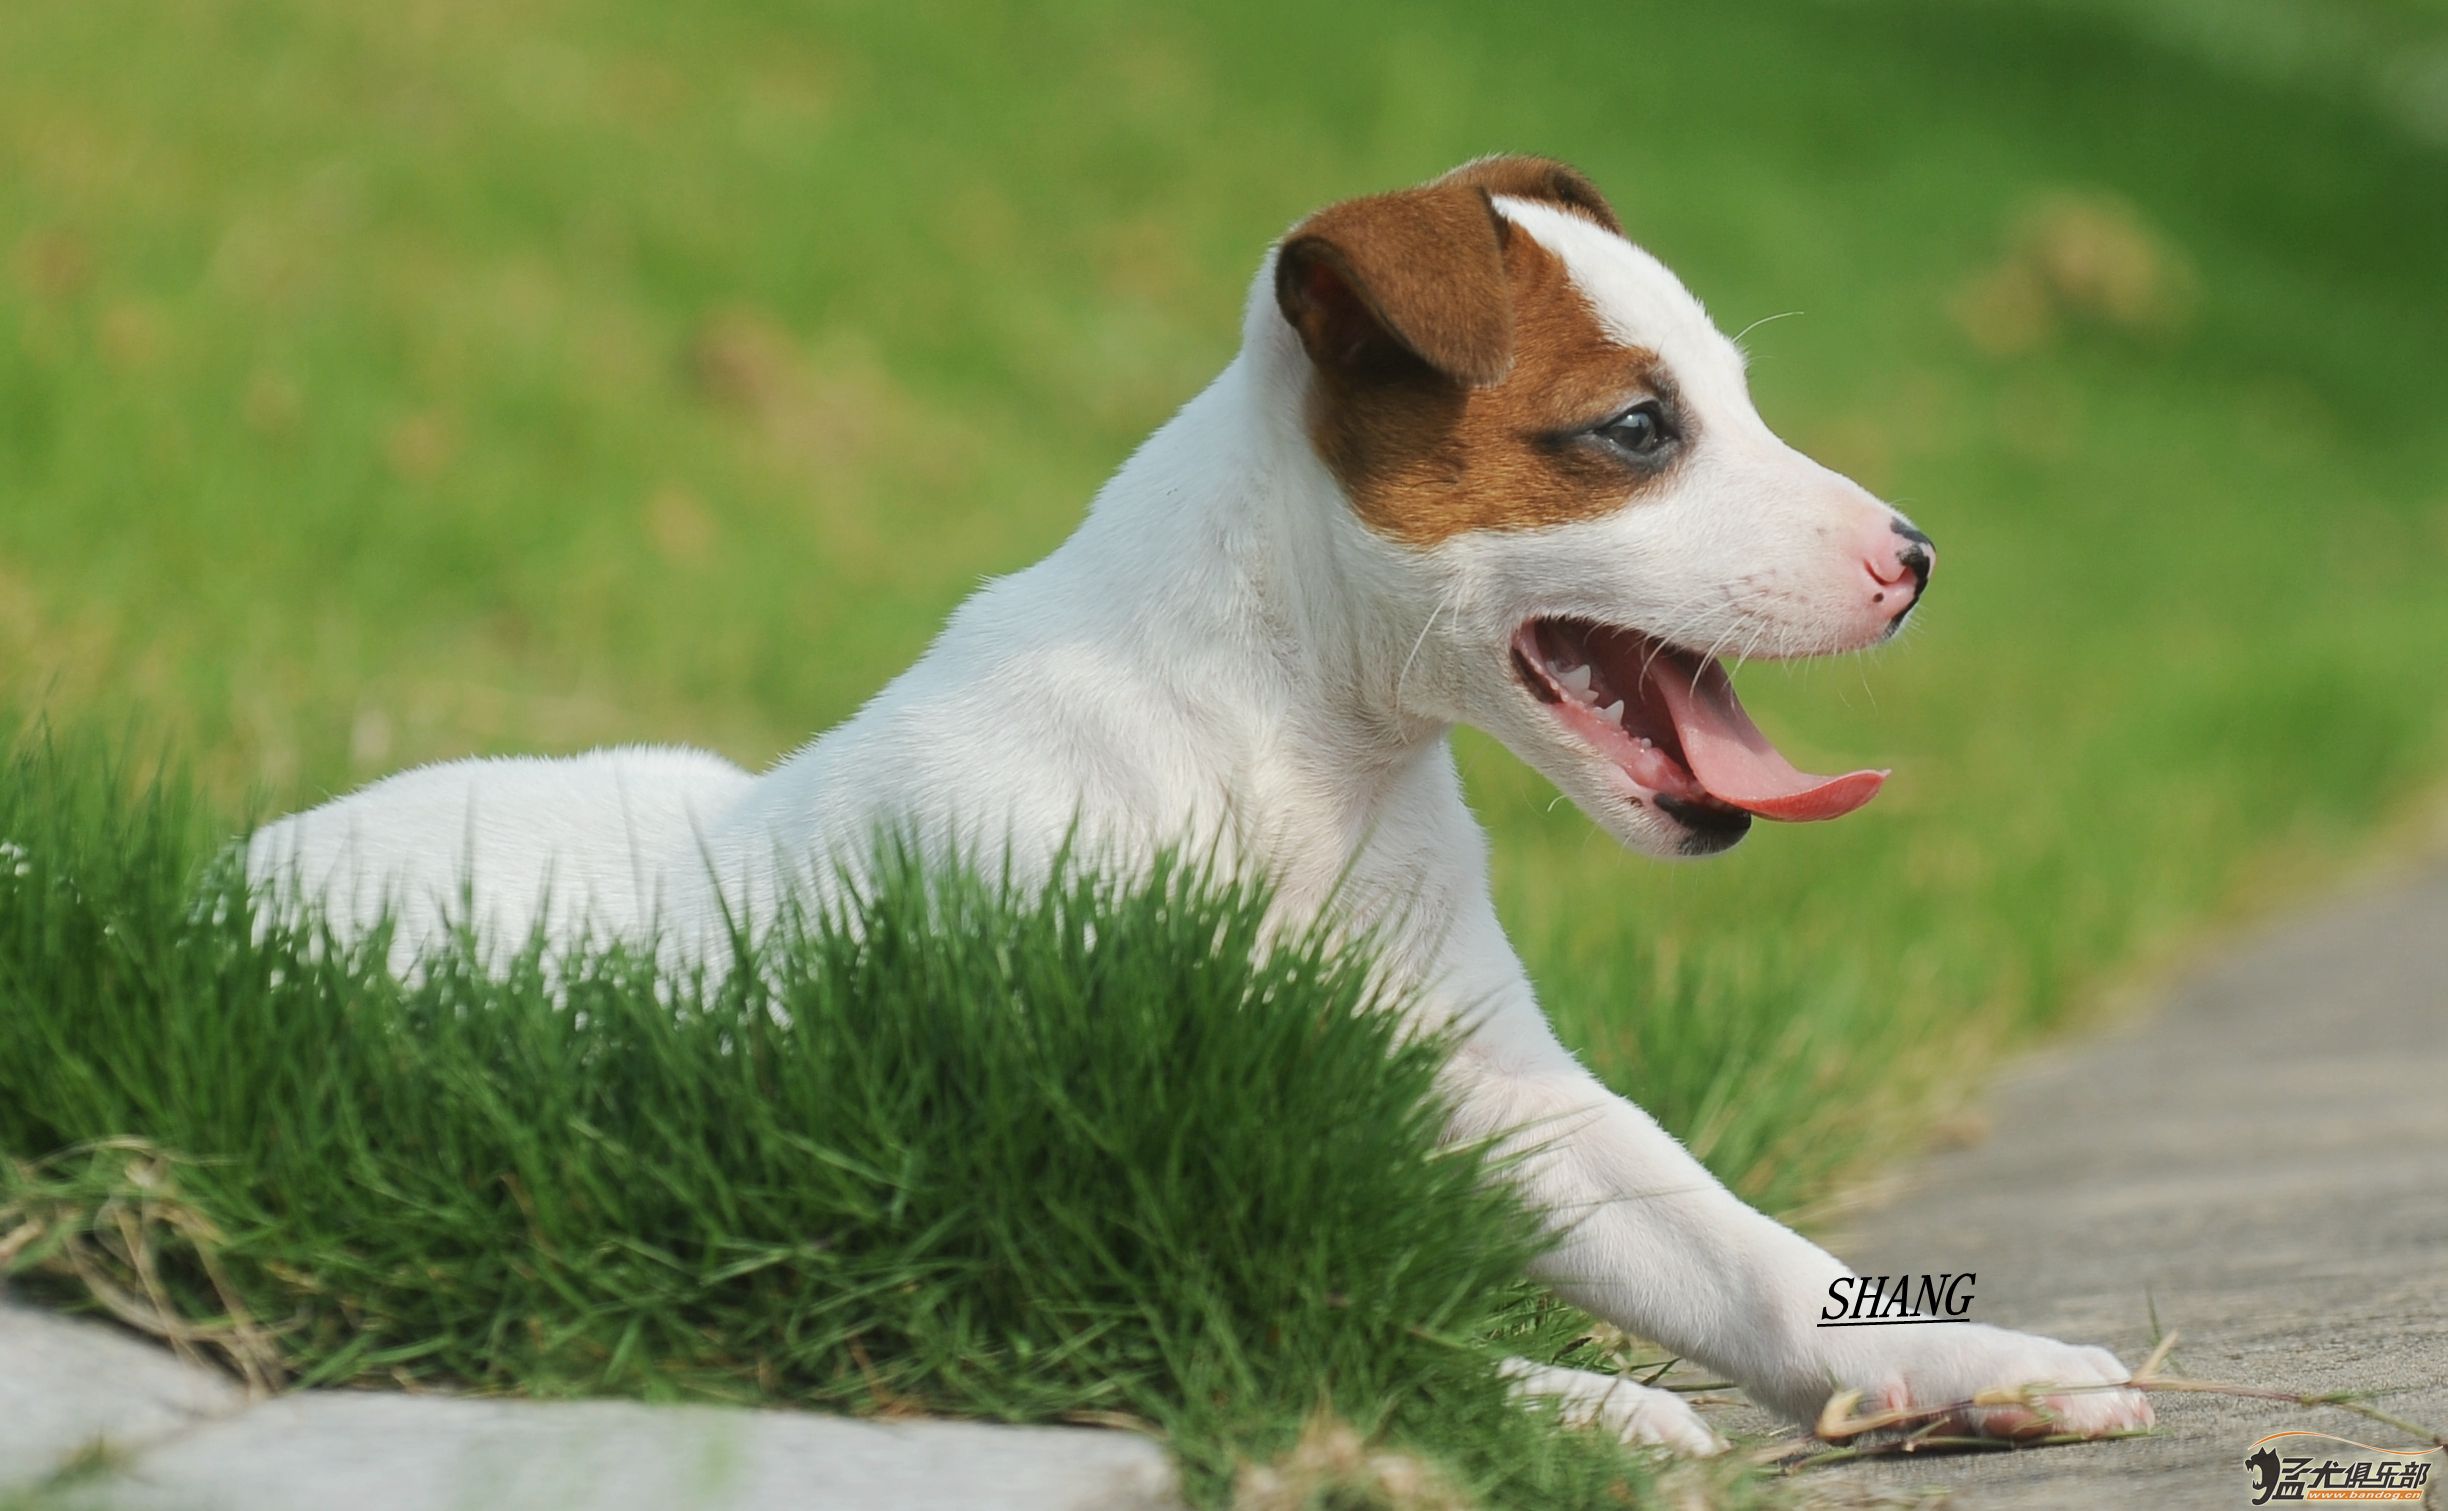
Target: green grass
column 960, row 1149
column 385, row 383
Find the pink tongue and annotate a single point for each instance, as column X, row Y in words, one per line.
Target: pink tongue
column 1735, row 762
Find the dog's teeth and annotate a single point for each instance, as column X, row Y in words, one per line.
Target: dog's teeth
column 1613, row 712
column 1576, row 681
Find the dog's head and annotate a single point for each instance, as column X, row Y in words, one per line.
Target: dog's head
column 1564, row 494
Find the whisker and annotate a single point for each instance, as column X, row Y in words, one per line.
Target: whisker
column 1749, row 646
column 1701, row 669
column 1763, row 320
column 1452, row 597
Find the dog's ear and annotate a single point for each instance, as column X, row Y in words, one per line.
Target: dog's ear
column 1382, row 286
column 1538, row 178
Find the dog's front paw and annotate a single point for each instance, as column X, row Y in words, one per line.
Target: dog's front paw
column 1644, row 1414
column 1632, row 1412
column 1986, row 1382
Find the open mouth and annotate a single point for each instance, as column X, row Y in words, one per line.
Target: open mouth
column 1669, row 721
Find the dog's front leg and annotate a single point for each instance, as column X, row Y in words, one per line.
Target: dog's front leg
column 1653, row 1243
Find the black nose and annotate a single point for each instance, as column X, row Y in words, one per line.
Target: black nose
column 1916, row 560
column 1919, row 556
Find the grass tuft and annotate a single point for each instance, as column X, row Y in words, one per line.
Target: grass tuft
column 960, row 1147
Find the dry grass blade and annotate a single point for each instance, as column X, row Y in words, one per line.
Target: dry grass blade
column 110, row 1244
column 1842, row 1420
column 1920, row 1443
column 2342, row 1400
column 2158, row 1355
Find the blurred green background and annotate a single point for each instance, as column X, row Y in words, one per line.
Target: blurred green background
column 387, row 382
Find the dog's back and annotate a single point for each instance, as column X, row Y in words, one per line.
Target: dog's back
column 593, row 842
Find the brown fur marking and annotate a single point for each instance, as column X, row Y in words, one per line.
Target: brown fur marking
column 1539, row 178
column 1387, row 283
column 1424, row 450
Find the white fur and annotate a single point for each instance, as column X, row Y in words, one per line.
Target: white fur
column 1222, row 649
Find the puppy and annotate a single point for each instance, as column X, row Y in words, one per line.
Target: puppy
column 1480, row 460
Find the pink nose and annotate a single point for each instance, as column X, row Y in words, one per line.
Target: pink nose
column 1902, row 570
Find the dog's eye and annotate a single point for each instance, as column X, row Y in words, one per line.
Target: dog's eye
column 1640, row 430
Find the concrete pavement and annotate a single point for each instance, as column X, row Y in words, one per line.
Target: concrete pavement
column 2264, row 1160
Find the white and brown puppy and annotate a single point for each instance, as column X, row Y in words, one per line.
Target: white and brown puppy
column 1479, row 461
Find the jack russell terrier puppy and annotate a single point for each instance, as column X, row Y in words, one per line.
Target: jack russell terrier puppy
column 1480, row 461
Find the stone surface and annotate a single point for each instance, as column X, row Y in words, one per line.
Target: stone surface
column 68, row 1385
column 2265, row 1161
column 380, row 1452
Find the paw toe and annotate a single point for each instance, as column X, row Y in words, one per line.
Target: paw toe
column 2097, row 1411
column 1663, row 1420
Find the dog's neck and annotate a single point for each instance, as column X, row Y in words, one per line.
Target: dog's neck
column 1228, row 554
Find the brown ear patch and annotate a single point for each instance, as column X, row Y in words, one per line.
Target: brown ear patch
column 1377, row 286
column 1538, row 178
column 1424, row 459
